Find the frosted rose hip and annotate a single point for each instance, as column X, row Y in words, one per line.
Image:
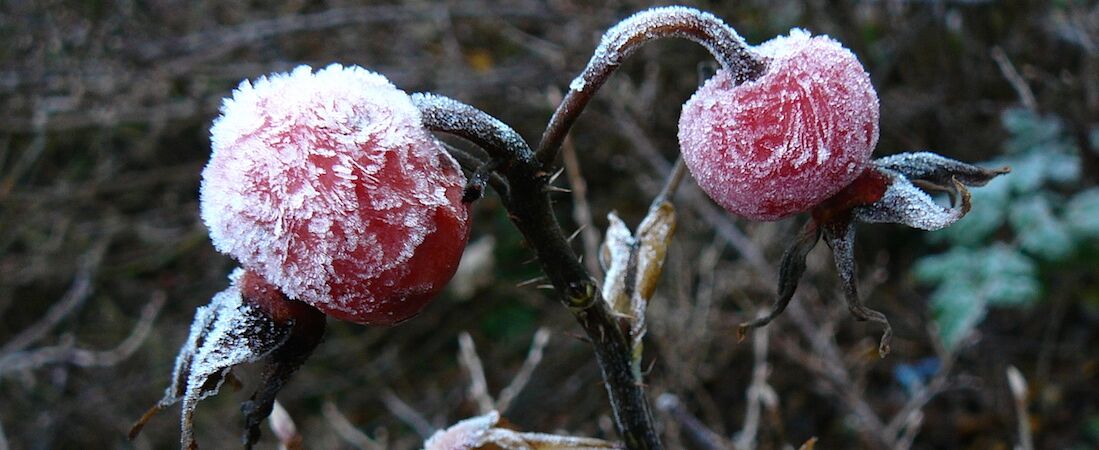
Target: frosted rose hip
column 327, row 185
column 786, row 141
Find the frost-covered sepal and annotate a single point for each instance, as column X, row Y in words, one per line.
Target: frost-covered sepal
column 911, row 176
column 225, row 333
column 938, row 169
column 906, row 204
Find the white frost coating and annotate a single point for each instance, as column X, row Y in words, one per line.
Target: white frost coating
column 906, row 204
column 444, row 113
column 783, row 142
column 303, row 163
column 481, row 431
column 464, row 435
column 936, row 168
column 224, row 333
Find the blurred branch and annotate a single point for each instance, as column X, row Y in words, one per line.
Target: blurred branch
column 581, row 209
column 698, row 431
column 760, row 393
column 79, row 291
column 1018, row 386
column 407, row 414
column 478, row 386
column 1026, row 96
column 67, row 353
column 283, row 427
column 226, row 39
column 522, row 377
column 3, row 438
column 346, row 430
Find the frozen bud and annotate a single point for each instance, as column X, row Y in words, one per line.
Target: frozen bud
column 787, row 140
column 328, row 186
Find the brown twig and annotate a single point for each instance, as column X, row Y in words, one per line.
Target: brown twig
column 407, row 414
column 67, row 353
column 478, row 386
column 581, row 209
column 347, row 431
column 1017, row 82
column 522, row 377
column 79, row 291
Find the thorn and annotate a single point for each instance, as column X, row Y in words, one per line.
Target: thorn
column 552, row 188
column 545, row 286
column 531, row 281
column 555, row 175
column 575, row 233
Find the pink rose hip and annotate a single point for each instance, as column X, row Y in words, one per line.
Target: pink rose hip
column 328, row 186
column 789, row 139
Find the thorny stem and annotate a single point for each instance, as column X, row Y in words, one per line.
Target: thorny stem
column 624, row 39
column 531, row 210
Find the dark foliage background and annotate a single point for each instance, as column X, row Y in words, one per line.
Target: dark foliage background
column 103, row 132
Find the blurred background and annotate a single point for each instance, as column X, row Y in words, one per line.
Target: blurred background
column 104, row 124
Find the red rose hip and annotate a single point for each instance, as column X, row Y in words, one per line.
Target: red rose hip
column 789, row 139
column 328, row 186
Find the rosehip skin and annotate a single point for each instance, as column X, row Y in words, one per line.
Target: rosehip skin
column 328, row 186
column 784, row 142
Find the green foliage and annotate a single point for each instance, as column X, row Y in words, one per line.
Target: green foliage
column 1019, row 224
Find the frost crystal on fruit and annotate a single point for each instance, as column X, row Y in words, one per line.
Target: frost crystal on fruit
column 327, row 185
column 783, row 142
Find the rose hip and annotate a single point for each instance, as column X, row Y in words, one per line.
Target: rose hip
column 787, row 140
column 328, row 186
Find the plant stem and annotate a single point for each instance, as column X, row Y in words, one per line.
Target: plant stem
column 531, row 210
column 624, row 39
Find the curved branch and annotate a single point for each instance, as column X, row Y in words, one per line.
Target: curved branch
column 624, row 39
column 451, row 116
column 530, row 209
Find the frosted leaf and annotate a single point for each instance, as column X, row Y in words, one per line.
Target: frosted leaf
column 1039, row 231
column 482, row 431
column 327, row 185
column 1082, row 213
column 225, row 333
column 793, row 137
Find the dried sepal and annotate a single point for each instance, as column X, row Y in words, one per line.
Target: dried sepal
column 235, row 329
column 906, row 204
column 790, row 271
column 483, row 432
column 225, row 333
column 841, row 238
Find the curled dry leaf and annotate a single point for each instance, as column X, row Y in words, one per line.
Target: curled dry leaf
column 633, row 264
